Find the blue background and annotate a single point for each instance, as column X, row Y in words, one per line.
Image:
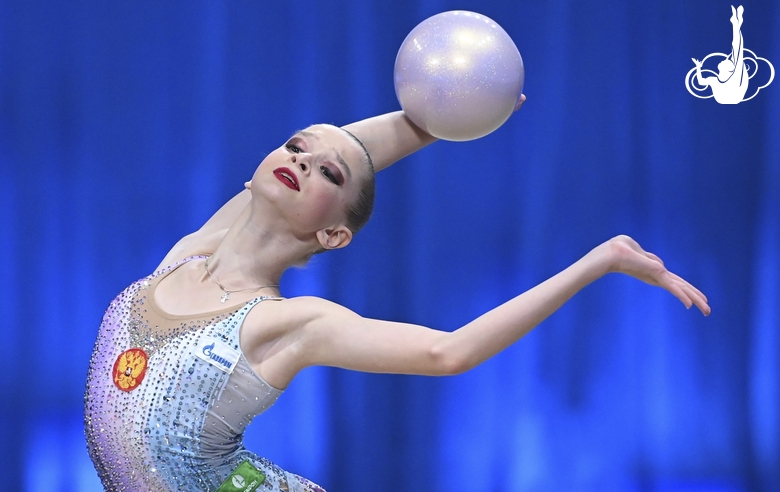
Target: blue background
column 124, row 125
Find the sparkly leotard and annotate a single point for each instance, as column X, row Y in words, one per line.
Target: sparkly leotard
column 168, row 398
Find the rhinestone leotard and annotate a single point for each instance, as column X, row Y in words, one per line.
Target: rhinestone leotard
column 159, row 417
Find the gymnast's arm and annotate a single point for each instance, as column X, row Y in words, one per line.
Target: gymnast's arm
column 335, row 336
column 391, row 137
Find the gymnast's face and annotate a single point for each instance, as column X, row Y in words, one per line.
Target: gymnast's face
column 313, row 178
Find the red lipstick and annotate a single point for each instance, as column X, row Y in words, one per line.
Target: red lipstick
column 287, row 177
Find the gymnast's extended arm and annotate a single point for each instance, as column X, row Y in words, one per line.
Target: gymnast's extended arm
column 335, row 336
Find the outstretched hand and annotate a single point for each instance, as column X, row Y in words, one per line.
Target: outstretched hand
column 626, row 256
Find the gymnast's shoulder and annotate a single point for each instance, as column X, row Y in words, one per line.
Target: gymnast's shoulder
column 297, row 313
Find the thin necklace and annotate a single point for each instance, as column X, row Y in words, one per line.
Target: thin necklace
column 225, row 292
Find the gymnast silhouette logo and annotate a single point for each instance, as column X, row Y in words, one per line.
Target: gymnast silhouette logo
column 730, row 83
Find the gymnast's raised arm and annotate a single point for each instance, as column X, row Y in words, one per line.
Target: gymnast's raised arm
column 391, row 137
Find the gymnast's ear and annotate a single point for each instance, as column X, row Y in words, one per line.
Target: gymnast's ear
column 248, row 185
column 335, row 237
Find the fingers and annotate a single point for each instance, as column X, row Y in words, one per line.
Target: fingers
column 687, row 293
column 520, row 102
column 696, row 299
column 680, row 294
column 697, row 291
column 631, row 259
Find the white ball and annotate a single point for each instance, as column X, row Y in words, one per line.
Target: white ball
column 458, row 75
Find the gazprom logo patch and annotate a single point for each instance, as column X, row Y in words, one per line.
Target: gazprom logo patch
column 239, row 482
column 218, row 354
column 245, row 478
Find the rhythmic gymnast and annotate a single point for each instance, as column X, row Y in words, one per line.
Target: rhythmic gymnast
column 186, row 357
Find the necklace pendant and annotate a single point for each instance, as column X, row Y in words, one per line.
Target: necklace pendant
column 225, row 297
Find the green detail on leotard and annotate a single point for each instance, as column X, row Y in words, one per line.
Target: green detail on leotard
column 245, row 478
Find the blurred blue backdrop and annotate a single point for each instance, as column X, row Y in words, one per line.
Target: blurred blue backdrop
column 124, row 125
